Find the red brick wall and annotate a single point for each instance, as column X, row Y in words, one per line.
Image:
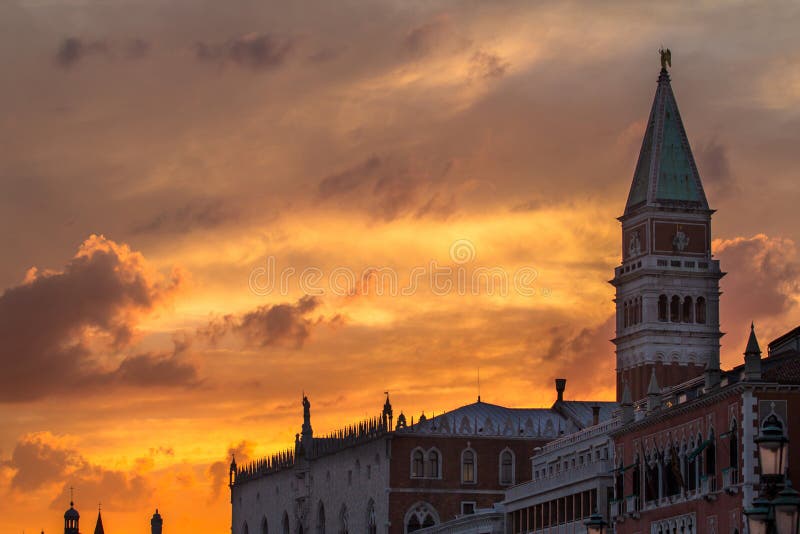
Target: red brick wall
column 446, row 494
column 638, row 378
column 724, row 507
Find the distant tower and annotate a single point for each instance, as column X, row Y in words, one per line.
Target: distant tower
column 667, row 287
column 98, row 527
column 156, row 523
column 71, row 519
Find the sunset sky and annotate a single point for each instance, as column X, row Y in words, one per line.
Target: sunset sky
column 159, row 157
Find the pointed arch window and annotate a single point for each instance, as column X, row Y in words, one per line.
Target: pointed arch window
column 506, row 467
column 433, row 464
column 264, row 526
column 421, row 515
column 733, row 451
column 468, row 465
column 372, row 523
column 285, row 523
column 343, row 521
column 321, row 519
column 245, row 529
column 417, row 464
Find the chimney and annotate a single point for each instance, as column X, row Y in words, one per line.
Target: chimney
column 595, row 415
column 561, row 385
column 752, row 357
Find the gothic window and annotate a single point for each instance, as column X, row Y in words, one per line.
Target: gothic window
column 700, row 310
column 637, row 481
column 343, row 521
column 651, row 479
column 264, row 527
column 468, row 462
column 733, row 451
column 417, row 464
column 506, row 467
column 321, row 519
column 372, row 523
column 422, row 515
column 711, row 456
column 285, row 523
column 687, row 310
column 673, row 472
column 662, row 308
column 433, row 464
column 675, row 309
column 245, row 530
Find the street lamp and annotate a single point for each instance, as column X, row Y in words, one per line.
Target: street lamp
column 759, row 516
column 787, row 510
column 595, row 524
column 772, row 448
column 776, row 512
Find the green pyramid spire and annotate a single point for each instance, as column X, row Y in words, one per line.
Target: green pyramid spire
column 666, row 174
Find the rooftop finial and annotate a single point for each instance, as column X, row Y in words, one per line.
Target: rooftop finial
column 666, row 58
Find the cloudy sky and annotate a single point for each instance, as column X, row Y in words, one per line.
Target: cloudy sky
column 210, row 207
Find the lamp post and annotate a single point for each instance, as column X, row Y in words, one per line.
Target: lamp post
column 778, row 510
column 595, row 524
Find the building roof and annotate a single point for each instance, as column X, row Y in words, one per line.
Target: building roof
column 666, row 173
column 485, row 419
column 582, row 412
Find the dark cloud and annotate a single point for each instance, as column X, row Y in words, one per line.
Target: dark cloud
column 154, row 369
column 50, row 323
column 422, row 39
column 73, row 50
column 280, row 324
column 218, row 471
column 390, row 187
column 41, row 459
column 200, row 214
column 488, row 65
column 583, row 355
column 763, row 278
column 714, row 166
column 256, row 51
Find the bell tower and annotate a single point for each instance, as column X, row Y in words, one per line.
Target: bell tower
column 667, row 285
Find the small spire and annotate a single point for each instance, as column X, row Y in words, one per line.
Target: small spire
column 752, row 357
column 653, row 388
column 626, row 395
column 653, row 393
column 752, row 342
column 627, row 405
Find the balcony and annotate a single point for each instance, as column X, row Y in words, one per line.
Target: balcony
column 616, row 508
column 708, row 487
column 730, row 480
column 632, row 506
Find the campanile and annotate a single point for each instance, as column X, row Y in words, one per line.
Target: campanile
column 667, row 285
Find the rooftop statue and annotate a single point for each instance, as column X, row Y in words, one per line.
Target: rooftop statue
column 666, row 58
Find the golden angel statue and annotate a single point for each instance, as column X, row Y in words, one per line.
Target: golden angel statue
column 666, row 58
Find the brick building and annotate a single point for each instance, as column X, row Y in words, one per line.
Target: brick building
column 379, row 476
column 686, row 457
